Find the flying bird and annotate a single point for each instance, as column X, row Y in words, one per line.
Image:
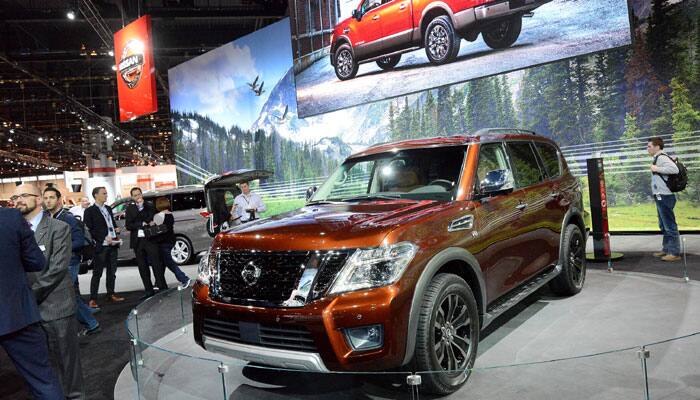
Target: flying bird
column 259, row 90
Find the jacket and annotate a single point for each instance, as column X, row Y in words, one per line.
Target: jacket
column 95, row 222
column 53, row 286
column 665, row 166
column 21, row 255
column 77, row 235
column 136, row 219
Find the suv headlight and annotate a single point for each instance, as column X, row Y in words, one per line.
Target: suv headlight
column 379, row 266
column 207, row 267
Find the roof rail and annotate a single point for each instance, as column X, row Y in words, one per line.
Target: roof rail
column 488, row 131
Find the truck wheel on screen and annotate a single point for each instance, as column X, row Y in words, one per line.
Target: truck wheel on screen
column 441, row 41
column 448, row 334
column 388, row 62
column 504, row 33
column 182, row 251
column 345, row 64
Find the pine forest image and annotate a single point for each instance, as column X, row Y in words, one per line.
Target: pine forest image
column 606, row 103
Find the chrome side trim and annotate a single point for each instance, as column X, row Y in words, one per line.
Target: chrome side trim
column 440, row 259
column 274, row 357
column 461, row 224
column 513, row 298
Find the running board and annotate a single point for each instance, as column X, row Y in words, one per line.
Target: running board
column 396, row 53
column 511, row 299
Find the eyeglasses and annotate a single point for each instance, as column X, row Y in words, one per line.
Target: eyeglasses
column 23, row 195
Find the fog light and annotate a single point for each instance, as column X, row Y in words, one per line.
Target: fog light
column 365, row 337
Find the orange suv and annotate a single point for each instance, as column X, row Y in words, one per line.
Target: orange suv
column 399, row 260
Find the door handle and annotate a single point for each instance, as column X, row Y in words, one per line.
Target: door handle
column 376, row 17
column 402, row 6
column 521, row 206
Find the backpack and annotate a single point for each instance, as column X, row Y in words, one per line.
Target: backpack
column 675, row 182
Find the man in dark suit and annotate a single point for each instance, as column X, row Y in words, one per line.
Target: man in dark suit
column 54, row 206
column 99, row 220
column 138, row 215
column 53, row 289
column 20, row 335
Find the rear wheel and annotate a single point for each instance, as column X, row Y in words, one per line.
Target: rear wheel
column 388, row 62
column 448, row 334
column 573, row 274
column 441, row 41
column 182, row 251
column 503, row 34
column 345, row 65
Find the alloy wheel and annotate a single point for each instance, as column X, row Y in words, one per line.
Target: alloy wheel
column 452, row 343
column 344, row 62
column 180, row 251
column 438, row 42
column 576, row 259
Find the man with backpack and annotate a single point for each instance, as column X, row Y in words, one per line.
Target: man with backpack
column 53, row 204
column 666, row 179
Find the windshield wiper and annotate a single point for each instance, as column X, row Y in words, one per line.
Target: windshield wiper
column 372, row 197
column 317, row 202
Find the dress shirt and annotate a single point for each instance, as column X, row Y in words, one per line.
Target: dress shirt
column 244, row 202
column 34, row 223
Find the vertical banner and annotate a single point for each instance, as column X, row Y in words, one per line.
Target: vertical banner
column 136, row 81
column 599, row 209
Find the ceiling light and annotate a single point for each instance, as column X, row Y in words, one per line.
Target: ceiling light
column 111, row 53
column 71, row 15
column 114, row 67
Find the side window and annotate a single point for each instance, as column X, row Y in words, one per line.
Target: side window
column 492, row 157
column 525, row 168
column 188, row 201
column 550, row 159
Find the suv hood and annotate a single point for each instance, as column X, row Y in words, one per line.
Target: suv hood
column 327, row 226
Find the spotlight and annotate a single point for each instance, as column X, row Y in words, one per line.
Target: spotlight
column 71, row 15
column 111, row 53
column 114, row 67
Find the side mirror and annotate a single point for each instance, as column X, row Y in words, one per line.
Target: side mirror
column 495, row 181
column 310, row 192
column 356, row 14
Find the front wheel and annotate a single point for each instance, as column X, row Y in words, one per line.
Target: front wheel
column 573, row 274
column 387, row 63
column 441, row 41
column 504, row 33
column 345, row 65
column 448, row 334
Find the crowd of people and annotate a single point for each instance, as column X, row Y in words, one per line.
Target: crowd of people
column 45, row 245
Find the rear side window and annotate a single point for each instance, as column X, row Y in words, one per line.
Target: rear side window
column 524, row 162
column 550, row 159
column 188, row 201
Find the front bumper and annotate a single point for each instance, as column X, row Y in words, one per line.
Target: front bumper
column 324, row 320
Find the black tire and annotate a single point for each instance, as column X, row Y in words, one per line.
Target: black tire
column 182, row 252
column 388, row 63
column 441, row 42
column 438, row 327
column 573, row 274
column 504, row 33
column 345, row 64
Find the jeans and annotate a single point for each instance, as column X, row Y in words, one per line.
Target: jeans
column 105, row 258
column 82, row 311
column 667, row 223
column 170, row 264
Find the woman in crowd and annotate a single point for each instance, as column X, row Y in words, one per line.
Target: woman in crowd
column 166, row 241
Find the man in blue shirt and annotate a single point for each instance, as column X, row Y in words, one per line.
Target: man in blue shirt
column 20, row 334
column 53, row 204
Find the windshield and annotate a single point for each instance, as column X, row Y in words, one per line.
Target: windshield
column 417, row 174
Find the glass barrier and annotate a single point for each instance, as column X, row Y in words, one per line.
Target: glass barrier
column 167, row 364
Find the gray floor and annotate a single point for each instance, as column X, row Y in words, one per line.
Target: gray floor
column 520, row 356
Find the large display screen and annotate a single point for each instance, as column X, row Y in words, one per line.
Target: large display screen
column 351, row 52
column 605, row 104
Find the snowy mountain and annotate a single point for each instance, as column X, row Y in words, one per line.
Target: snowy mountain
column 333, row 148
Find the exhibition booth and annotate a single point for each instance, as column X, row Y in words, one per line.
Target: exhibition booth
column 306, row 99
